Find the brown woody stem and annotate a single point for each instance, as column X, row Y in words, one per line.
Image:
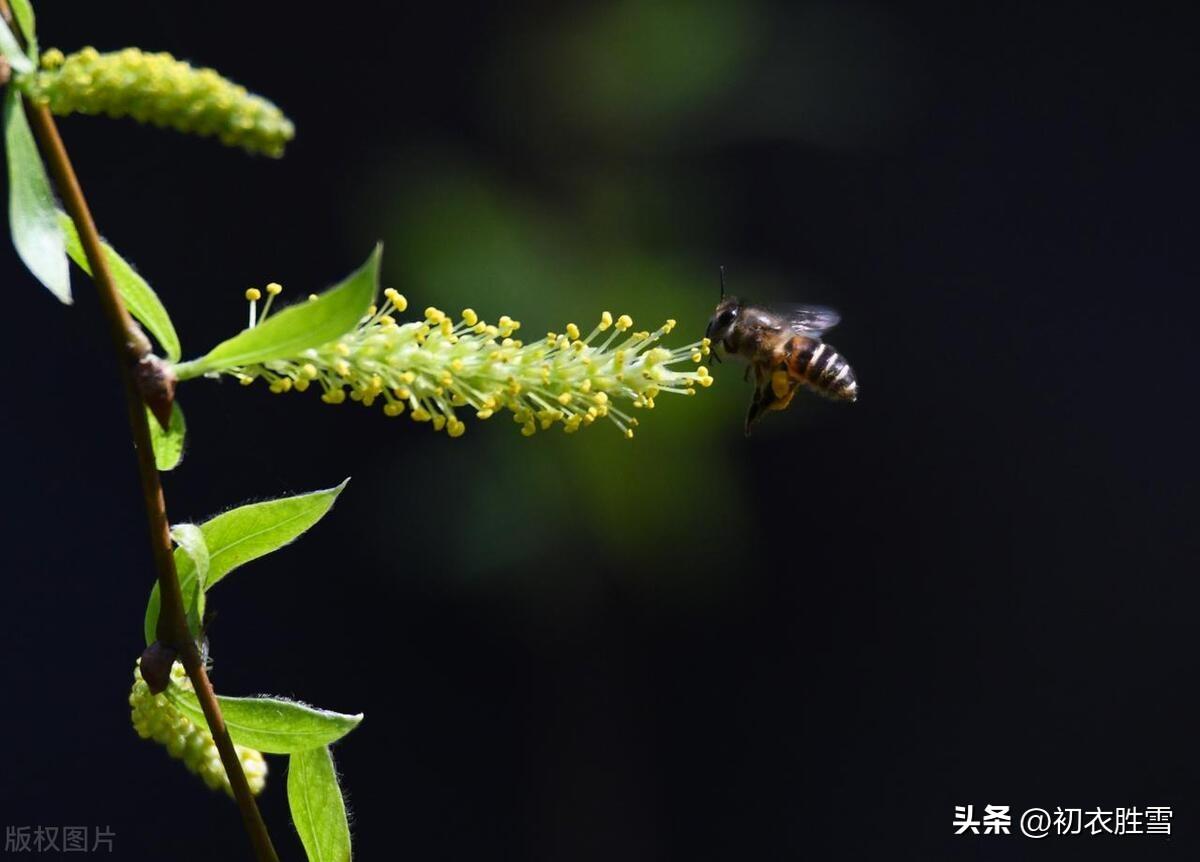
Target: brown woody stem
column 133, row 348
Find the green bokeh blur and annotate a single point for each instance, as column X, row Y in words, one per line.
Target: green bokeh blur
column 585, row 187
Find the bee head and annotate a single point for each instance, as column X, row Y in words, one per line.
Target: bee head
column 724, row 318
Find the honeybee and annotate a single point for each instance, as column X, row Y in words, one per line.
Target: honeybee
column 783, row 345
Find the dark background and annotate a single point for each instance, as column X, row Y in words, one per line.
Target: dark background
column 977, row 585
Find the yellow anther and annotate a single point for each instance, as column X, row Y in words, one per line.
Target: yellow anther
column 439, row 422
column 457, row 365
column 572, row 331
column 387, row 320
column 485, row 413
column 470, row 318
column 393, row 408
column 334, row 396
column 274, row 288
column 408, row 377
column 402, row 392
column 585, row 387
column 342, row 348
column 301, row 384
column 702, row 372
column 564, row 399
column 628, row 433
column 705, row 342
column 624, row 322
column 312, row 297
column 705, row 382
column 245, row 380
column 309, row 371
column 528, row 429
column 342, row 367
column 421, row 415
column 669, row 325
column 697, row 356
column 434, row 315
column 600, row 397
column 400, row 302
column 253, row 294
column 455, row 428
column 606, row 320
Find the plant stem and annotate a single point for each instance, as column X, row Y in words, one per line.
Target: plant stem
column 132, row 346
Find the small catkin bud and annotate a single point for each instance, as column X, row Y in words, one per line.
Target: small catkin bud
column 155, row 717
column 158, row 89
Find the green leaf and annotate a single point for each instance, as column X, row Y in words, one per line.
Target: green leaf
column 25, row 20
column 11, row 49
column 285, row 334
column 244, row 534
column 190, row 540
column 32, row 213
column 168, row 444
column 192, row 565
column 274, row 725
column 140, row 298
column 318, row 809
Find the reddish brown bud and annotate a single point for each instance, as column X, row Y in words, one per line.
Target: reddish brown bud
column 156, row 666
column 156, row 383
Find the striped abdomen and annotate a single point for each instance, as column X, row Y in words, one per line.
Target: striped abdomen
column 820, row 368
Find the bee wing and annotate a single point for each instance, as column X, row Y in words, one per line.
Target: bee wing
column 809, row 319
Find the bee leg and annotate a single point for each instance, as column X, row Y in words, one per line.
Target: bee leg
column 746, row 376
column 762, row 400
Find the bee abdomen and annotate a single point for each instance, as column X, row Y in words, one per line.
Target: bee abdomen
column 821, row 368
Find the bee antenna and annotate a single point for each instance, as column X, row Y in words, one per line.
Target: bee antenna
column 722, row 269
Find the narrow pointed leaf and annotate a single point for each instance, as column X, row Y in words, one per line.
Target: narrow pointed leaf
column 168, row 444
column 32, row 212
column 192, row 563
column 190, row 540
column 141, row 300
column 318, row 810
column 23, row 11
column 307, row 324
column 11, row 49
column 273, row 725
column 244, row 534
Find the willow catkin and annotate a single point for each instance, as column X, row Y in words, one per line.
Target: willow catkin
column 439, row 369
column 155, row 717
column 163, row 91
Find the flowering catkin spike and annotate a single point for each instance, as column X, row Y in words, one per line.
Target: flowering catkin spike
column 158, row 89
column 439, row 370
column 155, row 717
